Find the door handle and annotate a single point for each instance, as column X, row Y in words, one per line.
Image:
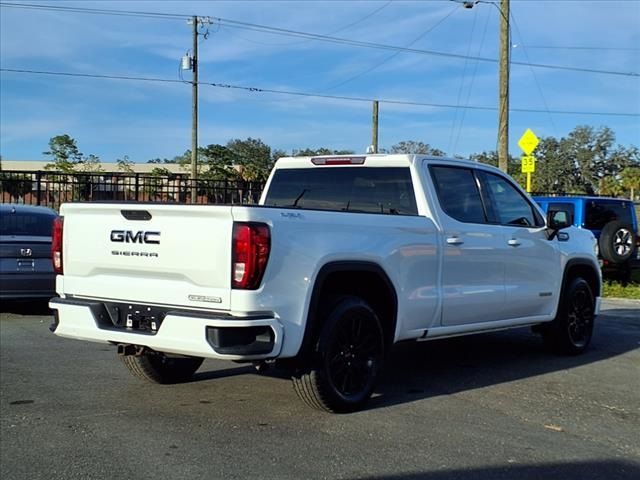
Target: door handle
column 454, row 241
column 514, row 242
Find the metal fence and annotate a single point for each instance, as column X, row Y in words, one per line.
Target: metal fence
column 53, row 188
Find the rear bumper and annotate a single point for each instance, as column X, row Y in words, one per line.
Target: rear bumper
column 25, row 285
column 181, row 332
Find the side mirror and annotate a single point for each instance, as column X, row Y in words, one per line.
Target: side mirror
column 556, row 221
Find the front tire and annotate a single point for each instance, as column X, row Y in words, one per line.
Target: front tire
column 571, row 331
column 346, row 361
column 156, row 367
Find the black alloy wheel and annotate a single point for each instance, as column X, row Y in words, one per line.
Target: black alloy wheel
column 347, row 359
column 580, row 316
column 571, row 331
column 353, row 355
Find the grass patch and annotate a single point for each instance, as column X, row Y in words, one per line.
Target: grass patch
column 618, row 290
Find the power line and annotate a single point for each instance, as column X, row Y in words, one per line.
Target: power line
column 533, row 72
column 95, row 75
column 560, row 47
column 323, row 38
column 333, row 32
column 463, row 77
column 473, row 79
column 380, row 46
column 98, row 11
column 308, row 94
column 393, row 55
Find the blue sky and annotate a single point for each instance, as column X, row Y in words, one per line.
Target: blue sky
column 112, row 118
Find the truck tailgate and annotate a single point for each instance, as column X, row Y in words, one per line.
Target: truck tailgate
column 176, row 255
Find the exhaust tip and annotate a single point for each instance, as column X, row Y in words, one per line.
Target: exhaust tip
column 126, row 350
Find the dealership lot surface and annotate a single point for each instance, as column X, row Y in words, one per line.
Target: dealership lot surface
column 491, row 406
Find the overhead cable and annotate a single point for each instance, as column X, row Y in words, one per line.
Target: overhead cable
column 322, row 38
column 308, row 94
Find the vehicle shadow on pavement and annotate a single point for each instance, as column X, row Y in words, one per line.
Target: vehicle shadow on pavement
column 26, row 307
column 588, row 470
column 421, row 370
column 416, row 371
column 202, row 376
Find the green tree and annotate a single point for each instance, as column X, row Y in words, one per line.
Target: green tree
column 154, row 184
column 555, row 169
column 276, row 154
column 124, row 164
column 161, row 172
column 252, row 157
column 585, row 162
column 89, row 164
column 491, row 158
column 219, row 160
column 310, row 152
column 630, row 178
column 595, row 156
column 610, row 186
column 64, row 152
column 413, row 147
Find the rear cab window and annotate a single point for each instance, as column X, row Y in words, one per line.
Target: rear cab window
column 26, row 224
column 380, row 190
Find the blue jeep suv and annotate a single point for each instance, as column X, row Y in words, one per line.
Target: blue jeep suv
column 613, row 222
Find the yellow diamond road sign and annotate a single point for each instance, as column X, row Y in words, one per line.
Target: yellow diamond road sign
column 528, row 142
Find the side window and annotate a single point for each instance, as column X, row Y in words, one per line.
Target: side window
column 510, row 207
column 567, row 207
column 601, row 212
column 458, row 193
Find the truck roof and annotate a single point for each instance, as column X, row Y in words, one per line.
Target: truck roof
column 371, row 160
column 576, row 198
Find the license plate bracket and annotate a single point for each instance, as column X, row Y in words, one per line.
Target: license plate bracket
column 133, row 317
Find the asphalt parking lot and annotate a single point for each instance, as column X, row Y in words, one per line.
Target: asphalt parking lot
column 494, row 406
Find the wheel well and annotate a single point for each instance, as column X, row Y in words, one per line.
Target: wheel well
column 585, row 271
column 364, row 280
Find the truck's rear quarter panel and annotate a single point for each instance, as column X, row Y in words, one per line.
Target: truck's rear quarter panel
column 303, row 241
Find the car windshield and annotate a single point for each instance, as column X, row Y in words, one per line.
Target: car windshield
column 26, row 224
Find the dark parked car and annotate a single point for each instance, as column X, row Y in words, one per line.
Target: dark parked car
column 26, row 270
column 612, row 221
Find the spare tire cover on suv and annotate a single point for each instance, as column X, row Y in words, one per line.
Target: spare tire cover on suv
column 617, row 241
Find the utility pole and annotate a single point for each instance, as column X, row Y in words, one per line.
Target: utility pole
column 374, row 135
column 194, row 113
column 503, row 108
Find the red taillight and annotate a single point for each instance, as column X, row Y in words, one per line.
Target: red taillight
column 56, row 245
column 251, row 247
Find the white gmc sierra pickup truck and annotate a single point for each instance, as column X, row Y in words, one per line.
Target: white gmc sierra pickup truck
column 344, row 257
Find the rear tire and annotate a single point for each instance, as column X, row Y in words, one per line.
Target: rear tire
column 571, row 331
column 617, row 242
column 346, row 361
column 156, row 367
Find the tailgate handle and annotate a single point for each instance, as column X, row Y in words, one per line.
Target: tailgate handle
column 142, row 215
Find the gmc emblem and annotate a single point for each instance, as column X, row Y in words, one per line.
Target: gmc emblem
column 128, row 236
